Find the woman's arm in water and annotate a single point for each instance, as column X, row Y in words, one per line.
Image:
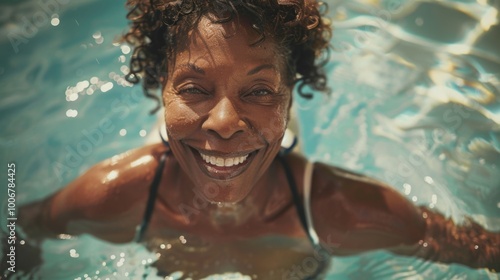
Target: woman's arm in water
column 469, row 243
column 101, row 202
column 353, row 213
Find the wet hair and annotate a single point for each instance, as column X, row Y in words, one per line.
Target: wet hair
column 158, row 28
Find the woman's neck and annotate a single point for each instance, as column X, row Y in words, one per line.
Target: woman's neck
column 228, row 214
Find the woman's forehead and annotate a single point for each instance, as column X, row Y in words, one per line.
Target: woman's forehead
column 233, row 42
column 237, row 26
column 238, row 30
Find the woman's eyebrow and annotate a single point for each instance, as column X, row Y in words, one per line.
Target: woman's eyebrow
column 193, row 67
column 259, row 68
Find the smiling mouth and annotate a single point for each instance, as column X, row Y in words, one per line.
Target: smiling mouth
column 226, row 162
column 223, row 167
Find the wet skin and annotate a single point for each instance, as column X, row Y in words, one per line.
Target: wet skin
column 227, row 98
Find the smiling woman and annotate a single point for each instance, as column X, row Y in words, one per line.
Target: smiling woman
column 221, row 193
column 221, row 120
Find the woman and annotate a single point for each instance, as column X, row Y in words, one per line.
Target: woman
column 221, row 195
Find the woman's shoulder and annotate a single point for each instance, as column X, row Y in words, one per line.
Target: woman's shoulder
column 115, row 184
column 323, row 175
column 138, row 158
column 131, row 167
column 346, row 204
column 327, row 175
column 112, row 192
column 328, row 181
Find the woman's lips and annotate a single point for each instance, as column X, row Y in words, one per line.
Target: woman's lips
column 222, row 167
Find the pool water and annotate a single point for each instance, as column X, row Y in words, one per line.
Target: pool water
column 415, row 103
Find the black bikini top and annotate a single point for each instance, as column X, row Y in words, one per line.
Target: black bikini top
column 153, row 190
column 304, row 216
column 287, row 147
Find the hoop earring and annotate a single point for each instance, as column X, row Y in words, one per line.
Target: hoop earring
column 288, row 143
column 164, row 135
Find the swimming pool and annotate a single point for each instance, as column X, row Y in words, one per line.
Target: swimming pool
column 415, row 103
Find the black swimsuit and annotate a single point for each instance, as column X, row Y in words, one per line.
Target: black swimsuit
column 153, row 190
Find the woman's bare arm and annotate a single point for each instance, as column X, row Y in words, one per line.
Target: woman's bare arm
column 469, row 243
column 353, row 213
column 99, row 202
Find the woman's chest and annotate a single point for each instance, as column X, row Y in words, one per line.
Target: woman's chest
column 265, row 257
column 269, row 249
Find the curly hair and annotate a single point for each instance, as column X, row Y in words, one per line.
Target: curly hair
column 158, row 27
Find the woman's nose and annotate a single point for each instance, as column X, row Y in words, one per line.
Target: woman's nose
column 224, row 119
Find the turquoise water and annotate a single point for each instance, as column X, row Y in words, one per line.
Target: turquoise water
column 415, row 103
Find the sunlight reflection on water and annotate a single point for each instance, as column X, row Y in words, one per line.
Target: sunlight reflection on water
column 415, row 103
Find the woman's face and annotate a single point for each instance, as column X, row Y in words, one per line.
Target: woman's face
column 226, row 107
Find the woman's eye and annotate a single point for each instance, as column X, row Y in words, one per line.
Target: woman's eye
column 263, row 96
column 191, row 90
column 261, row 92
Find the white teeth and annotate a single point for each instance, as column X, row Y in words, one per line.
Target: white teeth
column 227, row 162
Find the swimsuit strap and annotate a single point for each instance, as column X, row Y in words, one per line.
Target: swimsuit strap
column 163, row 135
column 288, row 142
column 153, row 190
column 308, row 172
column 302, row 212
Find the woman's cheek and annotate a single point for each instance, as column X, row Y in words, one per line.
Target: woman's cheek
column 180, row 119
column 275, row 126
